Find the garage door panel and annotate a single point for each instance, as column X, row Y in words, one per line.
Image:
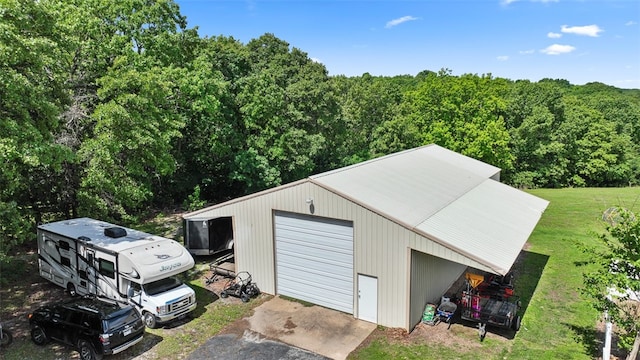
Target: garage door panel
column 307, row 286
column 314, row 260
column 318, row 240
column 313, row 270
column 318, row 295
column 325, row 265
column 324, row 256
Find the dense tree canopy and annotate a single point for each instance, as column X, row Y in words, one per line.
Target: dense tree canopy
column 108, row 109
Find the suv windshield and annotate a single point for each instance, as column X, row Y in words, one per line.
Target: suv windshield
column 161, row 285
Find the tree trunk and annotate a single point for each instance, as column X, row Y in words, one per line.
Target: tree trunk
column 633, row 355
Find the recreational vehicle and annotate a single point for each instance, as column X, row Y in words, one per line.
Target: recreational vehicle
column 87, row 256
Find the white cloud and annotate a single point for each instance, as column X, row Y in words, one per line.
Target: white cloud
column 553, row 35
column 588, row 30
column 399, row 21
column 316, row 60
column 557, row 49
column 526, row 52
column 503, row 58
column 630, row 23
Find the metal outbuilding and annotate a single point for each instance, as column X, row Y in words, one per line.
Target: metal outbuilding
column 380, row 239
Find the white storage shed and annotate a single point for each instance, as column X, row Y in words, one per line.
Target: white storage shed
column 380, row 239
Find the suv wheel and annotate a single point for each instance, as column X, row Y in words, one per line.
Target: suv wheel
column 38, row 336
column 86, row 350
column 149, row 320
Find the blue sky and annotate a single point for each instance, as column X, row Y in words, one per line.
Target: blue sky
column 578, row 40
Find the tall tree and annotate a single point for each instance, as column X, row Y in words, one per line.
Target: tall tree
column 32, row 95
column 464, row 114
column 212, row 134
column 286, row 104
column 366, row 102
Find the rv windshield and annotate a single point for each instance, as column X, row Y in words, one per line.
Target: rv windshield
column 161, row 285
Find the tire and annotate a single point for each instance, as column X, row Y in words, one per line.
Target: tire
column 482, row 331
column 245, row 297
column 6, row 338
column 515, row 325
column 71, row 290
column 253, row 290
column 38, row 336
column 223, row 294
column 149, row 320
column 87, row 352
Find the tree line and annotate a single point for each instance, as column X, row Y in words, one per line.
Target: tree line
column 109, row 109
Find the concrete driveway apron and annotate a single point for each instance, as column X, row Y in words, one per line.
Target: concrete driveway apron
column 274, row 324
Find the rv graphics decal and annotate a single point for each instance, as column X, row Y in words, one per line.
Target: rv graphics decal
column 170, row 267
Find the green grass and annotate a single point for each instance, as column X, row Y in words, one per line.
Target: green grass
column 557, row 322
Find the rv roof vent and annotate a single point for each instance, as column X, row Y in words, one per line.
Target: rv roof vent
column 115, row 232
column 84, row 238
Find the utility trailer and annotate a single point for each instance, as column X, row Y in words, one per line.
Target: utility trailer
column 208, row 236
column 490, row 303
column 87, row 256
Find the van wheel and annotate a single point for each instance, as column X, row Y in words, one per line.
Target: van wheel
column 71, row 290
column 149, row 320
column 87, row 352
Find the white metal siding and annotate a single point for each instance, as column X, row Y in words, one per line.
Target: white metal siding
column 430, row 278
column 314, row 260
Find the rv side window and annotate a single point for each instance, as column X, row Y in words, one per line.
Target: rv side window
column 107, row 268
column 65, row 261
column 63, row 245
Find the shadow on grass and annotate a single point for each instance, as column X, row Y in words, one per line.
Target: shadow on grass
column 589, row 337
column 593, row 341
column 527, row 272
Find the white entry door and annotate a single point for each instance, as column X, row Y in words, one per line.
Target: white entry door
column 368, row 298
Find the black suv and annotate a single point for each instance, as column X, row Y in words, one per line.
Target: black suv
column 95, row 328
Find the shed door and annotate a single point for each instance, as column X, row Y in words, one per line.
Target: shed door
column 314, row 260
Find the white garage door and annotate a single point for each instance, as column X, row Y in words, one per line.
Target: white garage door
column 314, row 260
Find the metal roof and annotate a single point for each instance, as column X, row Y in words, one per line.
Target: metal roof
column 447, row 197
column 411, row 185
column 491, row 223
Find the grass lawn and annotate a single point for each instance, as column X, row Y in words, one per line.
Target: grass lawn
column 557, row 322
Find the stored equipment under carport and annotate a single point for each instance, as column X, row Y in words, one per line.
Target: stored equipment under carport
column 204, row 236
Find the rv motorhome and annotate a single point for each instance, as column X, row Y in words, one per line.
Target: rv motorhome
column 87, row 256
